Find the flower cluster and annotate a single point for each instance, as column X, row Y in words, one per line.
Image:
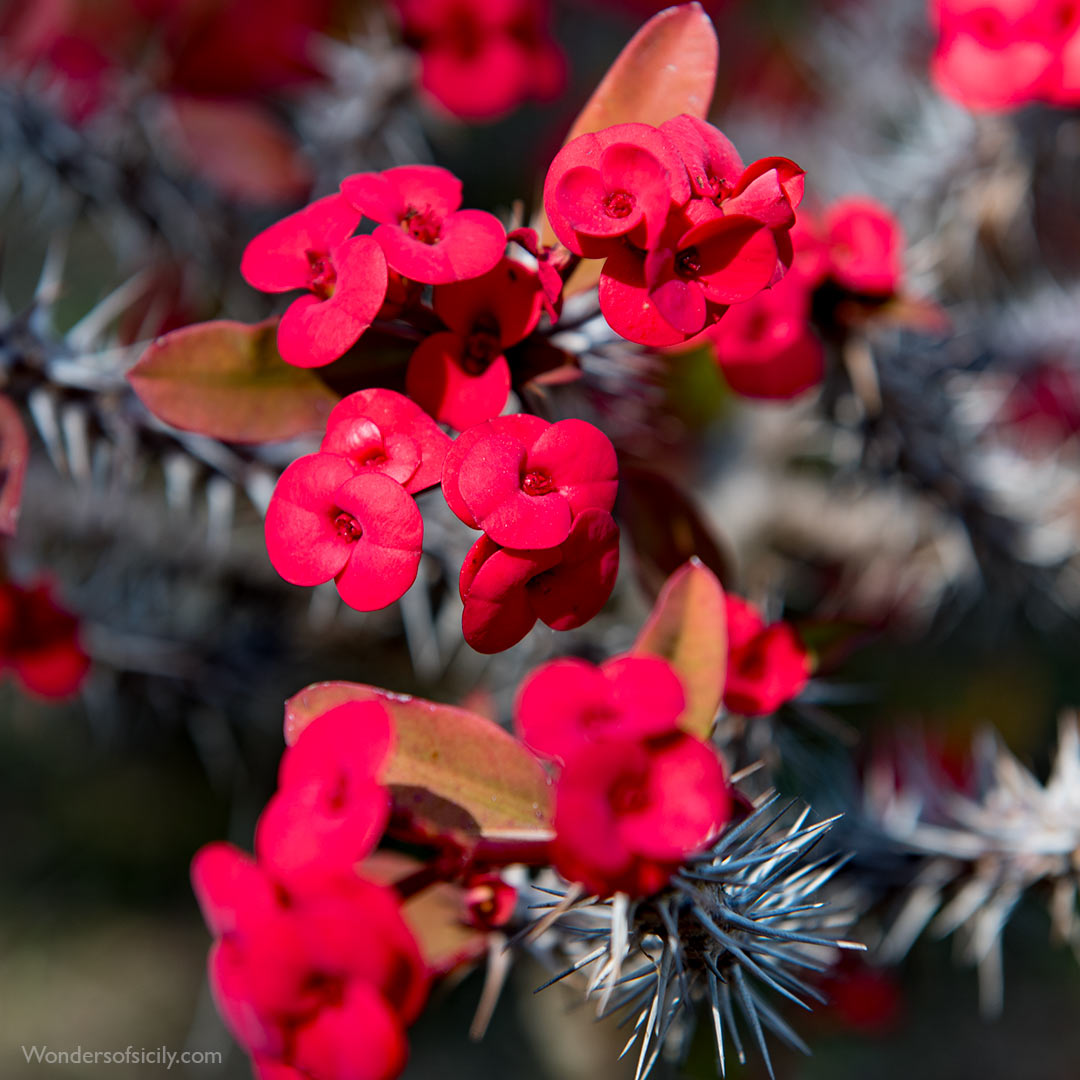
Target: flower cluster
column 999, row 54
column 478, row 59
column 347, row 512
column 767, row 663
column 636, row 795
column 421, row 235
column 685, row 230
column 542, row 495
column 39, row 641
column 767, row 347
column 313, row 967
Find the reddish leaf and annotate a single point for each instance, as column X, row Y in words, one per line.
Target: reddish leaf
column 227, row 380
column 239, row 148
column 687, row 627
column 14, row 448
column 668, row 67
column 452, row 772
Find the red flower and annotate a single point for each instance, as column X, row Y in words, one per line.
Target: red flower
column 384, row 432
column 627, row 813
column 524, row 482
column 480, row 58
column 422, row 232
column 506, row 591
column 490, row 901
column 40, row 641
column 330, row 810
column 363, row 530
column 999, row 54
column 601, row 170
column 322, row 980
column 567, row 704
column 461, row 377
column 767, row 665
column 345, row 278
column 865, row 246
column 766, row 347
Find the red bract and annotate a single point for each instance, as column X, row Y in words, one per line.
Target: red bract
column 999, row 54
column 40, row 641
column 709, row 156
column 325, row 521
column 627, row 813
column 461, row 377
column 767, row 664
column 766, row 347
column 422, row 232
column 614, row 160
column 480, row 58
column 346, row 279
column 523, row 484
column 865, row 246
column 319, row 980
column 384, row 432
column 567, row 704
column 548, row 268
column 330, row 810
column 506, row 591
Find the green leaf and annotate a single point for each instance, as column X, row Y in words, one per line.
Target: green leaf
column 688, row 628
column 227, row 380
column 667, row 68
column 452, row 772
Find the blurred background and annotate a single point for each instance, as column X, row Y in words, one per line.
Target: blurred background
column 916, row 513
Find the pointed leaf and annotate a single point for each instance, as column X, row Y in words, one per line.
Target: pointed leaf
column 14, row 449
column 227, row 380
column 453, row 772
column 667, row 68
column 688, row 628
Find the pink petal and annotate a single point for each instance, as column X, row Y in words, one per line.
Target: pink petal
column 561, row 707
column 470, row 243
column 358, row 735
column 426, row 187
column 524, row 427
column 394, row 412
column 315, row 332
column 572, row 592
column 682, row 304
column 359, row 1039
column 302, row 540
column 383, row 563
column 437, row 381
column 498, row 612
column 631, row 168
column 647, row 692
column 626, row 304
column 508, row 296
column 276, row 260
column 710, row 158
column 396, row 456
column 580, row 197
column 490, row 483
column 229, row 887
column 738, row 258
column 374, row 197
column 580, row 461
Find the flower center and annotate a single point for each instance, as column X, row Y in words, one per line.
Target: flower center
column 688, row 262
column 348, row 528
column 321, row 274
column 619, row 204
column 628, row 796
column 537, row 483
column 481, row 346
column 423, row 225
